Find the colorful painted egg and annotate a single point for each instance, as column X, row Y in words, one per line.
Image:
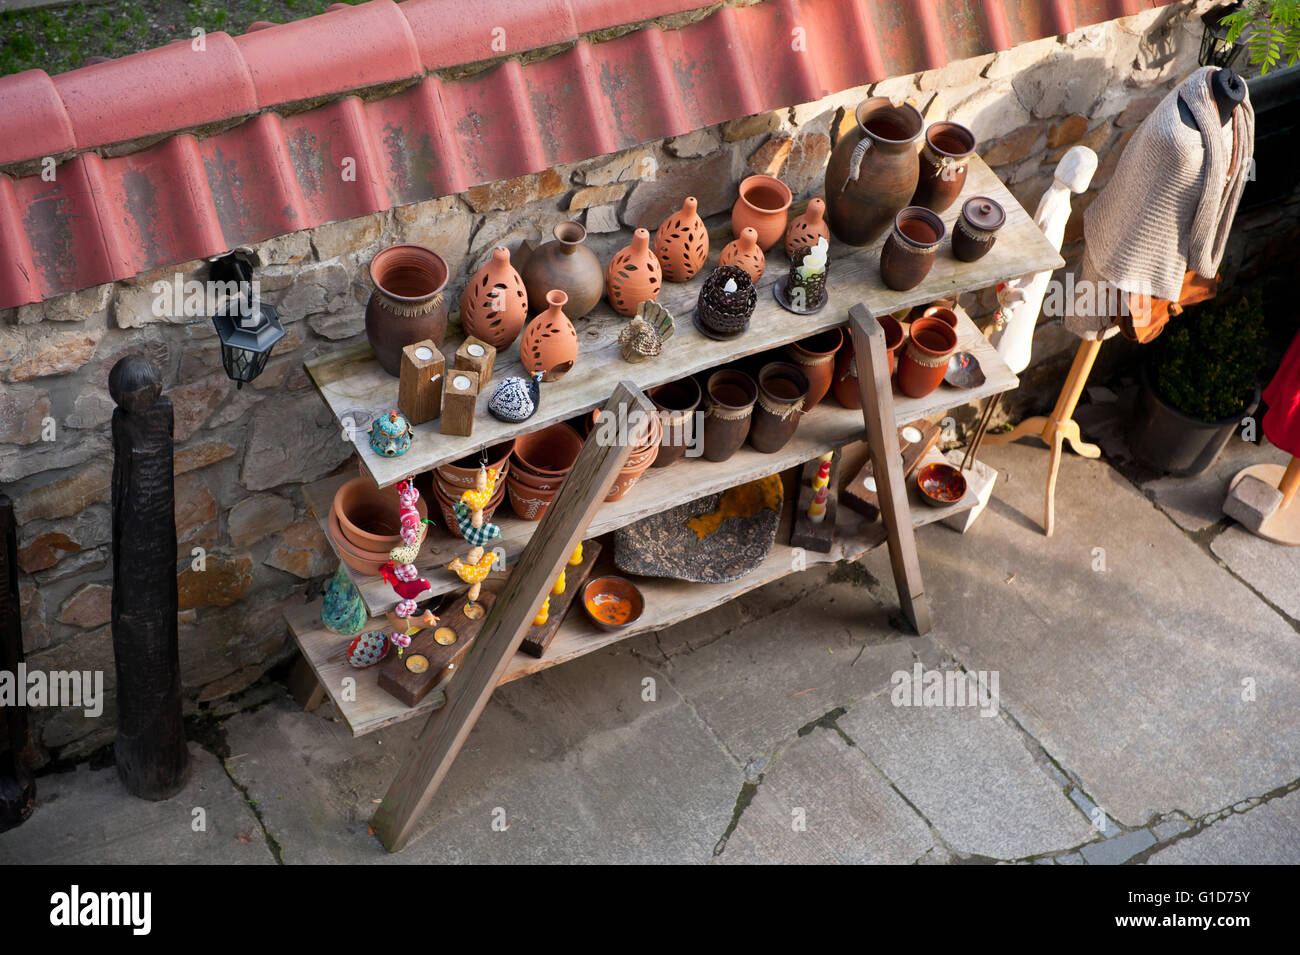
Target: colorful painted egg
column 368, row 649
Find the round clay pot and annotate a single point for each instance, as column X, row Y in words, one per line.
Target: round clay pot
column 362, row 561
column 627, row 478
column 977, row 229
column 462, row 473
column 676, row 402
column 782, row 388
column 407, row 305
column 806, row 230
column 549, row 452
column 568, row 265
column 815, row 356
column 370, row 517
column 445, row 504
column 944, row 158
column 943, row 313
column 728, row 412
column 682, row 243
column 763, row 206
column 745, row 253
column 528, row 503
column 910, row 250
column 494, row 305
column 873, row 170
column 845, row 384
column 550, row 345
column 930, row 344
column 634, row 275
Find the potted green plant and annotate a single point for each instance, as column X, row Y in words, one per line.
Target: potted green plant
column 1200, row 379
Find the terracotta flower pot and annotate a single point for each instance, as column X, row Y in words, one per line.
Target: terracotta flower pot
column 728, row 412
column 362, row 561
column 445, row 504
column 873, row 170
column 370, row 517
column 763, row 206
column 943, row 313
column 782, row 388
column 462, row 473
column 845, row 384
column 627, row 477
column 806, row 230
column 682, row 243
column 407, row 305
column 550, row 345
column 676, row 402
column 568, row 265
column 494, row 305
column 909, row 251
column 815, row 356
column 745, row 253
column 549, row 452
column 529, row 504
column 977, row 229
column 930, row 344
column 634, row 275
column 944, row 158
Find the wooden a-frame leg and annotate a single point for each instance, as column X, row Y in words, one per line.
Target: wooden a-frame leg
column 882, row 441
column 512, row 613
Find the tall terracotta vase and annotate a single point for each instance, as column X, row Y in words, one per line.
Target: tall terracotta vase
column 808, row 228
column 782, row 388
column 873, row 170
column 930, row 344
column 682, row 243
column 745, row 253
column 764, row 206
column 494, row 305
column 407, row 305
column 550, row 345
column 568, row 265
column 815, row 357
column 634, row 275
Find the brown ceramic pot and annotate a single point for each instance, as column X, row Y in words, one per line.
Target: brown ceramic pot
column 728, row 411
column 808, row 228
column 362, row 561
column 549, row 452
column 815, row 356
column 550, row 345
column 943, row 313
column 921, row 368
column 911, row 248
column 494, row 305
column 634, row 275
column 682, row 243
column 463, row 472
column 370, row 517
column 764, row 206
column 782, row 388
column 944, row 158
column 676, row 402
column 873, row 170
column 845, row 384
column 407, row 305
column 744, row 253
column 568, row 265
column 977, row 228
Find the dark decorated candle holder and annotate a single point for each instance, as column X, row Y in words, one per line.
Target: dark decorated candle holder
column 726, row 302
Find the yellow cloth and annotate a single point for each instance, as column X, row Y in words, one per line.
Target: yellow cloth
column 473, row 573
column 478, row 500
column 743, row 500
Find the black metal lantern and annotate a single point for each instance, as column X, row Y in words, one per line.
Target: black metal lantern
column 1216, row 50
column 247, row 340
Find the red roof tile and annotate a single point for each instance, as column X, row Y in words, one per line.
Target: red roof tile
column 183, row 198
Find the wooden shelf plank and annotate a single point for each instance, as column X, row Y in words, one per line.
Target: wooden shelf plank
column 352, row 383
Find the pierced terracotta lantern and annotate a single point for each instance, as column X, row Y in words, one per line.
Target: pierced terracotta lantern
column 494, row 305
column 634, row 275
column 682, row 243
column 808, row 228
column 550, row 345
column 745, row 253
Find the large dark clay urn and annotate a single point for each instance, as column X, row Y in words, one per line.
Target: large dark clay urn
column 568, row 265
column 408, row 304
column 873, row 171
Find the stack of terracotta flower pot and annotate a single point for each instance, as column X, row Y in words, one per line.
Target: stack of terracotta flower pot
column 639, row 459
column 366, row 523
column 450, row 481
column 538, row 466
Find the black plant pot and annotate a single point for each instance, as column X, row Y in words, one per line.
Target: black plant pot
column 1162, row 437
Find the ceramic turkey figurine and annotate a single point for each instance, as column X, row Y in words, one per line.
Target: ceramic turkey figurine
column 634, row 275
column 494, row 305
column 682, row 243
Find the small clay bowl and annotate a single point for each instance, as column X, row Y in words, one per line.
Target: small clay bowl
column 941, row 484
column 462, row 473
column 370, row 517
column 549, row 452
column 603, row 596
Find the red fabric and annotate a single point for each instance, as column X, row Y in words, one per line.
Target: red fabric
column 1282, row 420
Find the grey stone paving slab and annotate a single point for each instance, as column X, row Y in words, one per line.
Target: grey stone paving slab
column 969, row 775
column 848, row 811
column 1267, row 835
column 581, row 769
column 1119, row 849
column 1272, row 569
column 1197, row 502
column 1129, row 677
column 86, row 817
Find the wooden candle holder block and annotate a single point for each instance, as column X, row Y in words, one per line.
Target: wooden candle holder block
column 865, row 501
column 815, row 537
column 477, row 356
column 395, row 675
column 419, row 389
column 537, row 639
column 458, row 401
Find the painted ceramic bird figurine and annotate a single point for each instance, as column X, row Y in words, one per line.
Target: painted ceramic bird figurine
column 477, row 568
column 515, row 399
column 478, row 498
column 405, row 580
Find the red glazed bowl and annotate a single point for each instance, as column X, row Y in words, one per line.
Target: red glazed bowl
column 941, row 484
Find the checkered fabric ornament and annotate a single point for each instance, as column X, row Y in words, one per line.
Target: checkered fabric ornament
column 477, row 536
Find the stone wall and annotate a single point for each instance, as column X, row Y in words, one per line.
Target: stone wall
column 243, row 456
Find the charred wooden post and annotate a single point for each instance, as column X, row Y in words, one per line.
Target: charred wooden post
column 17, row 787
column 152, row 759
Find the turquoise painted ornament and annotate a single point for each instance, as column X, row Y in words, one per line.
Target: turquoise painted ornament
column 476, row 536
column 390, row 435
column 343, row 610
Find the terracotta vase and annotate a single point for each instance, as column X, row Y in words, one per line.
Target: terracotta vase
column 872, row 171
column 977, row 229
column 494, row 305
column 944, row 158
column 911, row 248
column 763, row 206
column 407, row 305
column 634, row 275
column 550, row 345
column 676, row 402
column 808, row 228
column 682, row 243
column 782, row 388
column 844, row 386
column 728, row 411
column 815, row 357
column 744, row 253
column 930, row 344
column 568, row 265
